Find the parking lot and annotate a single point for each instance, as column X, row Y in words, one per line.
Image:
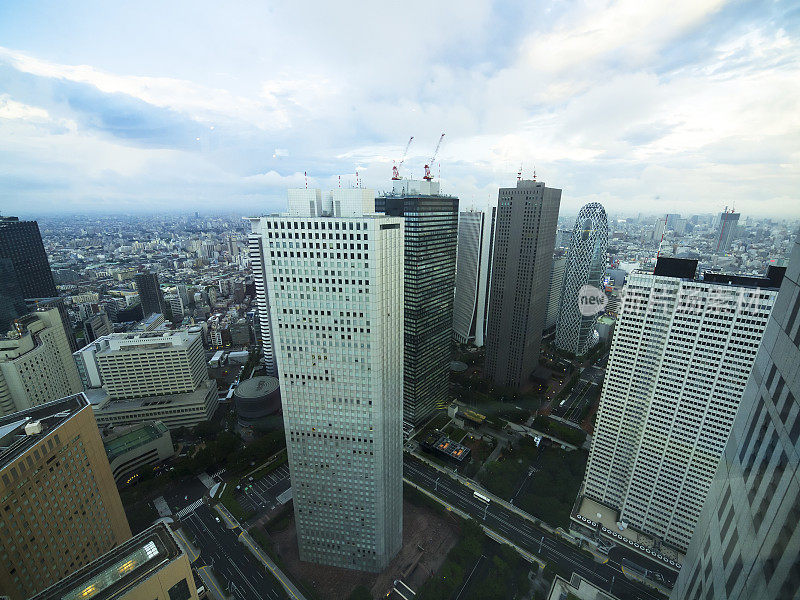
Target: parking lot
column 261, row 495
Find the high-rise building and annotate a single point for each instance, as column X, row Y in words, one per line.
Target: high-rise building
column 586, row 266
column 176, row 306
column 36, row 364
column 21, row 242
column 59, row 505
column 475, row 229
column 336, row 298
column 659, row 229
column 97, row 326
column 521, row 265
column 747, row 541
column 59, row 304
column 12, row 301
column 148, row 376
column 726, row 230
column 149, row 566
column 150, row 294
column 556, row 289
column 681, row 354
column 431, row 229
column 264, row 338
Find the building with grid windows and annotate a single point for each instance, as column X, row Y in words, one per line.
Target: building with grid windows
column 21, row 242
column 150, row 294
column 473, row 272
column 556, row 289
column 431, row 229
column 747, row 541
column 36, row 364
column 522, row 260
column 726, row 230
column 681, row 354
column 59, row 505
column 255, row 242
column 336, row 299
column 586, row 265
column 149, row 566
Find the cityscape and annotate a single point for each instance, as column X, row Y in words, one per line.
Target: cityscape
column 445, row 375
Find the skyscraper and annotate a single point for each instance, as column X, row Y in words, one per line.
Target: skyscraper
column 586, row 265
column 336, row 300
column 431, row 229
column 726, row 230
column 36, row 364
column 556, row 288
column 12, row 301
column 97, row 326
column 475, row 230
column 264, row 337
column 521, row 266
column 21, row 242
column 680, row 357
column 150, row 294
column 747, row 540
column 59, row 506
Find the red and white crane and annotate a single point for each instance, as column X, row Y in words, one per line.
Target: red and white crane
column 396, row 167
column 428, row 175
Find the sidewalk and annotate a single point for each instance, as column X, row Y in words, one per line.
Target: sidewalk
column 287, row 584
column 211, row 583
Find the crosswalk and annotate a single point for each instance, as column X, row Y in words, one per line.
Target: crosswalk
column 218, row 474
column 189, row 509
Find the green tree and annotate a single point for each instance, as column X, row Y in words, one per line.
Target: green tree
column 360, row 593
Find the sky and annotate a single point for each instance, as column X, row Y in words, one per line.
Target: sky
column 686, row 106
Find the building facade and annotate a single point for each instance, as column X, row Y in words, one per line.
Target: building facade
column 21, row 243
column 12, row 301
column 586, row 266
column 726, row 231
column 97, row 326
column 527, row 216
column 59, row 505
column 556, row 289
column 747, row 541
column 431, row 229
column 264, row 330
column 36, row 365
column 336, row 300
column 681, row 354
column 150, row 294
column 130, row 447
column 473, row 273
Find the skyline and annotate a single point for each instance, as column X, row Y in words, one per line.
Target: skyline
column 688, row 107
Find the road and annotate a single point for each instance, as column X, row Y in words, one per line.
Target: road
column 585, row 391
column 525, row 534
column 229, row 558
column 261, row 495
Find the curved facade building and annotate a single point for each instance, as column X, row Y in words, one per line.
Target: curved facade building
column 586, row 265
column 257, row 397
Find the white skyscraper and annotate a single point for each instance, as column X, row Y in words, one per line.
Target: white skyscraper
column 473, row 272
column 335, row 286
column 680, row 358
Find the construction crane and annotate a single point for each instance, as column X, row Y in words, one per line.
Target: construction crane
column 428, row 175
column 396, row 167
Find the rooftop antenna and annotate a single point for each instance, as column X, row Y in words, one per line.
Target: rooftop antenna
column 396, row 168
column 534, row 173
column 340, row 181
column 358, row 182
column 519, row 173
column 305, row 174
column 428, row 175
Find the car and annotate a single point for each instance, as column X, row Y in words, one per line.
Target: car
column 250, row 479
column 216, row 519
column 238, row 487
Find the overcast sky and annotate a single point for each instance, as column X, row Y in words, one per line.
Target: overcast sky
column 668, row 106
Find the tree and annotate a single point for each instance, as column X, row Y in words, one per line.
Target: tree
column 360, row 593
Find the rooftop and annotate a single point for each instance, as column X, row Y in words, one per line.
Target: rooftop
column 257, row 387
column 13, row 438
column 122, row 439
column 116, row 572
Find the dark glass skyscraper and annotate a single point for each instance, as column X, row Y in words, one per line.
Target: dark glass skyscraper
column 12, row 302
column 431, row 227
column 150, row 293
column 21, row 242
column 525, row 234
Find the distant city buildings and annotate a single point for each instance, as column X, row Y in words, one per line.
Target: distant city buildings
column 473, row 273
column 150, row 294
column 586, row 266
column 36, row 364
column 334, row 279
column 97, row 326
column 431, row 229
column 521, row 266
column 746, row 543
column 681, row 354
column 59, row 506
column 21, row 243
column 726, row 230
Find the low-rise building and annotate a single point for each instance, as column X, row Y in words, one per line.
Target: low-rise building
column 130, row 447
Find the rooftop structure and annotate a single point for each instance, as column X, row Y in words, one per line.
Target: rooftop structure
column 438, row 443
column 129, row 447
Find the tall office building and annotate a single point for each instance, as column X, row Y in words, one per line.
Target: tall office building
column 586, row 265
column 431, row 229
column 681, row 354
column 97, row 326
column 473, row 272
column 336, row 298
column 12, row 301
column 747, row 542
column 59, row 304
column 150, row 294
column 264, row 338
column 21, row 242
column 521, row 265
column 59, row 505
column 36, row 364
column 149, row 566
column 556, row 289
column 726, row 230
